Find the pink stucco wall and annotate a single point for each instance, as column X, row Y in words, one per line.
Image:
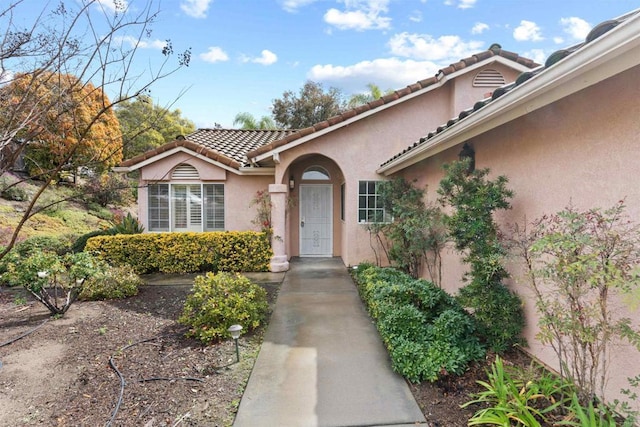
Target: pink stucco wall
column 238, row 190
column 359, row 149
column 583, row 150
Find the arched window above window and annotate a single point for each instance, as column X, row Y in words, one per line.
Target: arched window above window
column 316, row 173
column 185, row 171
column 488, row 78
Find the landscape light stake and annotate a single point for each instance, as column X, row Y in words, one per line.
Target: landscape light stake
column 235, row 330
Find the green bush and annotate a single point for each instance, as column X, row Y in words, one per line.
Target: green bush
column 185, row 252
column 428, row 334
column 127, row 225
column 112, row 283
column 55, row 281
column 498, row 312
column 81, row 242
column 53, row 244
column 218, row 301
column 405, row 322
column 11, row 189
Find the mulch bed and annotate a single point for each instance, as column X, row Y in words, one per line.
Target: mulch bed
column 60, row 375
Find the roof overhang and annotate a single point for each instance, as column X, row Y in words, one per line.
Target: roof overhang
column 176, row 150
column 611, row 54
column 442, row 80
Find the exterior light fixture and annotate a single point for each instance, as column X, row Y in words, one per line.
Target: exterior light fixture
column 235, row 330
column 292, row 183
column 467, row 152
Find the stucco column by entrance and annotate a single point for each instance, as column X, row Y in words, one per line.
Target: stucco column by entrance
column 278, row 193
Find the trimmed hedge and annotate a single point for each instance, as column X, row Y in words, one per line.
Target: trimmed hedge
column 427, row 332
column 232, row 251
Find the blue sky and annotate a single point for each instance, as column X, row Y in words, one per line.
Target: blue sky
column 245, row 53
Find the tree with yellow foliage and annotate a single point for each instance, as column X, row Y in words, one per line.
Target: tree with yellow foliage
column 55, row 72
column 78, row 127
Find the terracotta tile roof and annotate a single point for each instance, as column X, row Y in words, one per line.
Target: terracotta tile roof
column 596, row 32
column 227, row 146
column 494, row 50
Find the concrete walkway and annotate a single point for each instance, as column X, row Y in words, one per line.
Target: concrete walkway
column 322, row 362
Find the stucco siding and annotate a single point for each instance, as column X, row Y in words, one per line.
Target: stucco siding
column 583, row 150
column 239, row 191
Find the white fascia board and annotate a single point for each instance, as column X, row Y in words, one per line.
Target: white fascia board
column 594, row 62
column 172, row 152
column 248, row 170
column 383, row 107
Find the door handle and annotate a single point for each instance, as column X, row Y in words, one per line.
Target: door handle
column 302, row 223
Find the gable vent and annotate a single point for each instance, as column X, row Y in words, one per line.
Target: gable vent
column 488, row 78
column 184, row 171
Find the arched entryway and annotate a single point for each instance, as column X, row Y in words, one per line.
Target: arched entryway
column 315, row 222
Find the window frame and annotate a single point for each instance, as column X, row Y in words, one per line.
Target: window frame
column 372, row 204
column 207, row 207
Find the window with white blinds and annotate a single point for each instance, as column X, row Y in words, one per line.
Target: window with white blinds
column 186, row 209
column 214, row 207
column 158, row 203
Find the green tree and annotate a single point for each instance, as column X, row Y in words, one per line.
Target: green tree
column 88, row 41
column 248, row 121
column 474, row 199
column 374, row 93
column 310, row 106
column 147, row 125
column 416, row 235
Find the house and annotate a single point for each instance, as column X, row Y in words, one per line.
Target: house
column 322, row 179
column 564, row 132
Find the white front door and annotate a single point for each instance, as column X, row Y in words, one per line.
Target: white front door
column 316, row 220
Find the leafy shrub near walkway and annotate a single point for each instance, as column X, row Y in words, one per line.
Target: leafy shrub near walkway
column 185, row 252
column 218, row 301
column 428, row 334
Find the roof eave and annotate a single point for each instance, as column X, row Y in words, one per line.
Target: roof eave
column 593, row 62
column 173, row 151
column 442, row 80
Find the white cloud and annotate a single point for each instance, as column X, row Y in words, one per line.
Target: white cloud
column 142, row 44
column 425, row 47
column 416, row 16
column 527, row 31
column 479, row 28
column 195, row 8
column 360, row 15
column 577, row 28
column 112, row 6
column 558, row 40
column 214, row 54
column 266, row 58
column 384, row 72
column 538, row 55
column 293, row 5
column 461, row 4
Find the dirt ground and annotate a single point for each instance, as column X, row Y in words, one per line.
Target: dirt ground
column 60, row 375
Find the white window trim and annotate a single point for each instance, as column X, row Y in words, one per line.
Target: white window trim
column 202, row 205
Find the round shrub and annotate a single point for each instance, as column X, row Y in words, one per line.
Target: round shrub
column 58, row 245
column 218, row 301
column 111, row 283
